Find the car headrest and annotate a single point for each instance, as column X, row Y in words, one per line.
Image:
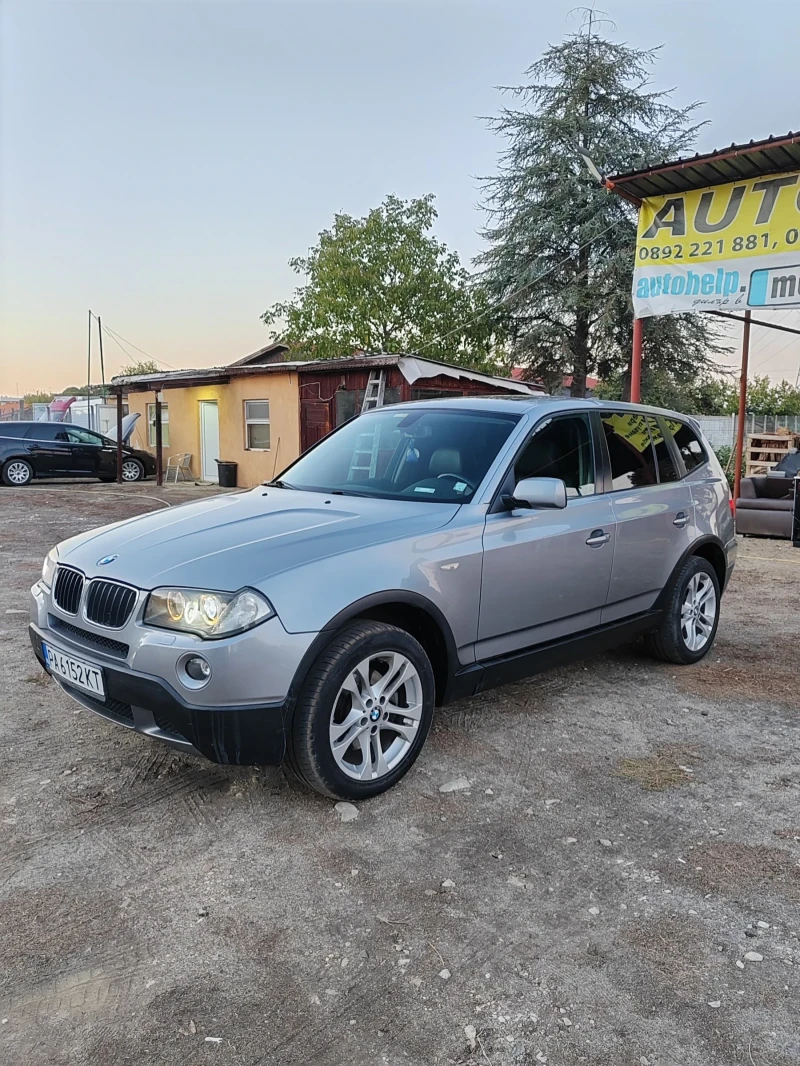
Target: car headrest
column 445, row 461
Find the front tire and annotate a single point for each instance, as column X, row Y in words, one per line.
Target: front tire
column 364, row 712
column 132, row 470
column 17, row 472
column 691, row 615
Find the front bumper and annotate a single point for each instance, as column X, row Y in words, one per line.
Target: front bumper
column 252, row 735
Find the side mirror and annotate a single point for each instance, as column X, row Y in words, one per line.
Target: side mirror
column 540, row 492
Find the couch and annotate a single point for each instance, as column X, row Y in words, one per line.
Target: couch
column 765, row 506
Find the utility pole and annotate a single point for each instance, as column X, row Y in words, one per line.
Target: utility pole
column 89, row 377
column 102, row 366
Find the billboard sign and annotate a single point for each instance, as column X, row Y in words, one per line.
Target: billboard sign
column 726, row 247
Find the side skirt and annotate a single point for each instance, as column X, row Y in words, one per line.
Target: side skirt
column 504, row 670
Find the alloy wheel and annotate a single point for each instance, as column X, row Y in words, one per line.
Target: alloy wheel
column 18, row 473
column 130, row 470
column 698, row 612
column 376, row 716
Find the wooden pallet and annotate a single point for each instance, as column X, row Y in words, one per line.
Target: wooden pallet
column 765, row 450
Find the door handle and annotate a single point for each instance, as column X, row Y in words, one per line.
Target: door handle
column 680, row 520
column 597, row 538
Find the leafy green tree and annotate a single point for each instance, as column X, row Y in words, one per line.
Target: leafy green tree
column 385, row 283
column 144, row 366
column 764, row 398
column 726, row 457
column 692, row 393
column 707, row 394
column 715, row 395
column 556, row 234
column 38, row 397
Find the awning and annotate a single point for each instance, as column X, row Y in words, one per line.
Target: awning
column 415, row 369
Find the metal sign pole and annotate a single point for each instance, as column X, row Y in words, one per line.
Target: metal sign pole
column 636, row 361
column 737, row 477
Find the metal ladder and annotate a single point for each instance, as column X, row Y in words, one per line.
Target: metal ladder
column 373, row 394
column 358, row 464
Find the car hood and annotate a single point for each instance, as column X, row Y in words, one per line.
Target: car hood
column 226, row 542
column 128, row 426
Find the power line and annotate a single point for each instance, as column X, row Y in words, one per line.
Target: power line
column 117, row 337
column 777, row 323
column 141, row 350
column 772, row 355
column 764, row 338
column 125, row 350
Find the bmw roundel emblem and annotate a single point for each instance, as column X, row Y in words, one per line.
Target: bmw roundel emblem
column 106, row 560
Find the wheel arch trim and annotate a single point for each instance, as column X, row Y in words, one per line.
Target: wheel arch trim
column 707, row 547
column 367, row 607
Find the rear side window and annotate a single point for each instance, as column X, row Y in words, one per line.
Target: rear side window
column 664, row 460
column 48, row 431
column 12, row 429
column 630, row 449
column 692, row 451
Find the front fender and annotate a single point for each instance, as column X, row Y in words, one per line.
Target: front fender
column 440, row 570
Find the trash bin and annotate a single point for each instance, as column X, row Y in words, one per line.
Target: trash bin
column 227, row 474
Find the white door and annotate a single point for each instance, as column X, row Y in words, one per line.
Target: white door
column 209, row 440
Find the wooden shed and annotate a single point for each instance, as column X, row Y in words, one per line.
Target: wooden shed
column 333, row 391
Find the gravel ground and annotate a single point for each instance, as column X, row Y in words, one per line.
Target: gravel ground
column 629, row 834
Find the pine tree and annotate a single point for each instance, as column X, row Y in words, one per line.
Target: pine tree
column 550, row 220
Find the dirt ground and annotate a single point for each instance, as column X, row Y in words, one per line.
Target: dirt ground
column 631, row 832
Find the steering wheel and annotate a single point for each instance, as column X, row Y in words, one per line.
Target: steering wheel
column 459, row 477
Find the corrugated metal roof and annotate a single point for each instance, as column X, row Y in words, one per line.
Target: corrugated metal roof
column 256, row 357
column 222, row 374
column 735, row 163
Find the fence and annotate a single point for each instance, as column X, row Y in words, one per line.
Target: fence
column 103, row 417
column 720, row 430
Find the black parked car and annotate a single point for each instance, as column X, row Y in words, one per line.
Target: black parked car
column 31, row 450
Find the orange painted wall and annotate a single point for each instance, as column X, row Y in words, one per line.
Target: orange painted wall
column 184, row 423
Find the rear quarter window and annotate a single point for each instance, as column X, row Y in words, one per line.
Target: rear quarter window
column 12, row 429
column 689, row 444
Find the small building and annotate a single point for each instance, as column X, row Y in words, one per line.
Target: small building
column 264, row 410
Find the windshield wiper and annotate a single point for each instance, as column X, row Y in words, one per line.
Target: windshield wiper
column 280, row 485
column 348, row 492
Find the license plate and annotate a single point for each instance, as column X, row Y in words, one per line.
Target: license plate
column 75, row 671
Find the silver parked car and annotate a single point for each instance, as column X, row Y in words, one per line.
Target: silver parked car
column 419, row 554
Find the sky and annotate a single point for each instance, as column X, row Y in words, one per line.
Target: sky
column 160, row 162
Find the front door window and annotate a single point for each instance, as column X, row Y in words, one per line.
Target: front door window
column 561, row 448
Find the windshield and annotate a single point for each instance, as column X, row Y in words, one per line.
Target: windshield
column 428, row 454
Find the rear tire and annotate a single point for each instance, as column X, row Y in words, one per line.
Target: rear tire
column 691, row 615
column 349, row 739
column 17, row 472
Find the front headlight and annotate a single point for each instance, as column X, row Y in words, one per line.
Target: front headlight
column 49, row 567
column 211, row 615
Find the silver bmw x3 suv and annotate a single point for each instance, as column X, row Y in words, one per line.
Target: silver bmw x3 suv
column 419, row 554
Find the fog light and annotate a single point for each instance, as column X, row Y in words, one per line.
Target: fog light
column 198, row 669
